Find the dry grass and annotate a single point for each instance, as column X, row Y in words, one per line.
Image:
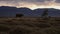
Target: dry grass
column 29, row 26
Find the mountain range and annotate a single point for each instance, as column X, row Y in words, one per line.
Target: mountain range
column 6, row 11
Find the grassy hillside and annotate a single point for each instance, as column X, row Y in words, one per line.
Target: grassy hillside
column 30, row 25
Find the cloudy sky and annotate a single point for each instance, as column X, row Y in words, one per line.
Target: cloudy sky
column 32, row 4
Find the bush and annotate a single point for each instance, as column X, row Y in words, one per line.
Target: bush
column 43, row 25
column 19, row 31
column 52, row 31
column 4, row 28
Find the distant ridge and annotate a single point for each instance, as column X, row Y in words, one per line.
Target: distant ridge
column 26, row 8
column 6, row 11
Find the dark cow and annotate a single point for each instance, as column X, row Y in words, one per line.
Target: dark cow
column 19, row 15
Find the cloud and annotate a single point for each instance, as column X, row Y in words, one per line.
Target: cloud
column 37, row 2
column 27, row 0
column 58, row 1
column 29, row 3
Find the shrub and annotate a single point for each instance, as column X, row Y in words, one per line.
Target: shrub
column 52, row 31
column 4, row 28
column 43, row 25
column 19, row 31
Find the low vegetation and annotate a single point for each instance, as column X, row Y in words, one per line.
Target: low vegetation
column 27, row 25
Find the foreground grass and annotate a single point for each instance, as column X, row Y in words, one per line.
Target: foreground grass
column 29, row 26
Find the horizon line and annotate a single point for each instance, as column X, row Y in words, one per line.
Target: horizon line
column 30, row 8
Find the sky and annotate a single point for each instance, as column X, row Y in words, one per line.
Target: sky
column 32, row 4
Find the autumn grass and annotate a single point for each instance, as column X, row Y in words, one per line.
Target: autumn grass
column 29, row 26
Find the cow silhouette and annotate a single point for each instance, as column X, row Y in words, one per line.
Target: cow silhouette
column 19, row 15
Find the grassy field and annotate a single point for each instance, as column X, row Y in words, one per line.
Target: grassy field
column 30, row 25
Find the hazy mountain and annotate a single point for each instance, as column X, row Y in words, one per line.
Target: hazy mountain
column 6, row 11
column 54, row 12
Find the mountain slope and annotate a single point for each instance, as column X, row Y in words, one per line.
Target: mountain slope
column 6, row 11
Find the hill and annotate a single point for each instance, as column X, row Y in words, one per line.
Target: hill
column 6, row 11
